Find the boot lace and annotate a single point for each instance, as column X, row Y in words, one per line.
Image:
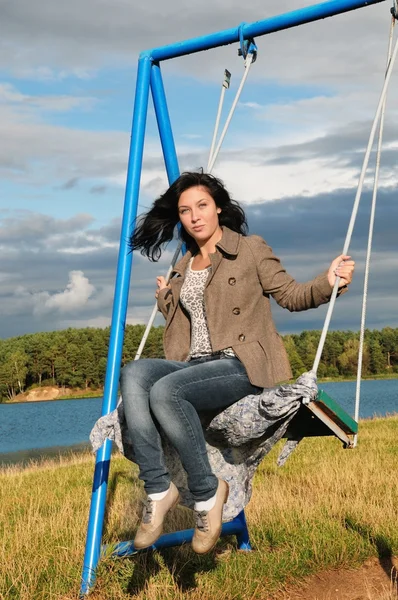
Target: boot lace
column 148, row 511
column 202, row 521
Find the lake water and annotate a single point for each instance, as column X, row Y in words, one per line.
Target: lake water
column 31, row 429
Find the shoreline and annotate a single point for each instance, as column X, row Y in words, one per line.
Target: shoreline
column 24, row 457
column 99, row 393
column 346, row 379
column 75, row 396
column 50, row 400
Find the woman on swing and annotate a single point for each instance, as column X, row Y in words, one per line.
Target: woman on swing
column 220, row 342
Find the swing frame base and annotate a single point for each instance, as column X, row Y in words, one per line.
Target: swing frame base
column 237, row 527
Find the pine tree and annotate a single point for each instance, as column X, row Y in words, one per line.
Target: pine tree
column 377, row 359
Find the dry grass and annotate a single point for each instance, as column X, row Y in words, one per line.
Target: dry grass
column 326, row 509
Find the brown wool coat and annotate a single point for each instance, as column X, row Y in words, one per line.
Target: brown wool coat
column 244, row 274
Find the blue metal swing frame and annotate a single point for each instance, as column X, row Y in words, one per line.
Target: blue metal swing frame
column 149, row 78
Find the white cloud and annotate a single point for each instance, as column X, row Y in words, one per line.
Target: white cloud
column 35, row 153
column 255, row 183
column 47, row 74
column 72, row 299
column 191, row 136
column 320, row 115
column 86, row 249
column 252, row 105
column 10, row 95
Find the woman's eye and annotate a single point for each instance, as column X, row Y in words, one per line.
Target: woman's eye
column 203, row 205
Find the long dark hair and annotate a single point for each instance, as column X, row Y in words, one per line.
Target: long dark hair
column 156, row 227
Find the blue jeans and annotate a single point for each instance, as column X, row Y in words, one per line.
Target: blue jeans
column 168, row 394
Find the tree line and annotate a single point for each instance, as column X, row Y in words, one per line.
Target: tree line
column 77, row 357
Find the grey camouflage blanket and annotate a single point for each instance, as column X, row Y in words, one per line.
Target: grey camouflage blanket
column 237, row 438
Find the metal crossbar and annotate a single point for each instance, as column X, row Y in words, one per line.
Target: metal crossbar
column 149, row 78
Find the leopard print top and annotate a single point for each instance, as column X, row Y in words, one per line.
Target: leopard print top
column 192, row 299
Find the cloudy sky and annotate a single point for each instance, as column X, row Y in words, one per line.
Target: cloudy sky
column 292, row 155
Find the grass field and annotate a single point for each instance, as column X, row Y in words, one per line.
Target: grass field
column 328, row 508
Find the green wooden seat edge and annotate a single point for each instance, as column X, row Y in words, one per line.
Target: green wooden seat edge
column 335, row 412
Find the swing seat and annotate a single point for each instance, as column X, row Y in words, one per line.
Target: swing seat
column 322, row 417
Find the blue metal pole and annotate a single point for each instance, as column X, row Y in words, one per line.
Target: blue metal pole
column 242, row 536
column 271, row 25
column 164, row 124
column 98, row 500
column 165, row 129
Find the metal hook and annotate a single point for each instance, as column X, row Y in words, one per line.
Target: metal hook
column 246, row 46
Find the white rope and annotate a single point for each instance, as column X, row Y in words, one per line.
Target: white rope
column 370, row 239
column 212, row 159
column 155, row 308
column 356, row 205
column 224, row 88
column 248, row 63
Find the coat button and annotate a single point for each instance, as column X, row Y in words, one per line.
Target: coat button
column 232, row 281
column 236, row 311
column 242, row 337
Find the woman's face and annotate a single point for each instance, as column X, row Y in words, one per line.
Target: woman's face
column 198, row 213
